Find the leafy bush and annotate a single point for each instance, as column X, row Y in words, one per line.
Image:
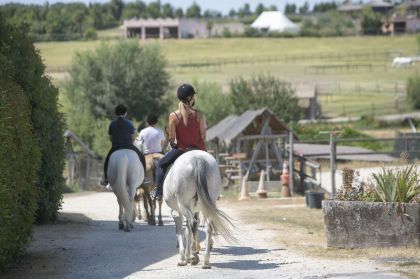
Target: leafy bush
column 121, row 73
column 212, row 102
column 23, row 63
column 265, row 91
column 413, row 91
column 91, row 34
column 401, row 185
column 371, row 22
column 19, row 163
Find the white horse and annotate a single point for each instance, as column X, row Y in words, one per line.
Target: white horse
column 125, row 174
column 192, row 186
column 402, row 62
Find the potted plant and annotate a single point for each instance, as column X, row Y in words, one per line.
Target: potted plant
column 379, row 213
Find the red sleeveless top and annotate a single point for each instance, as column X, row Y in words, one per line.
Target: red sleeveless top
column 189, row 136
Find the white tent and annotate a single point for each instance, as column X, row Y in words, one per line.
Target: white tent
column 274, row 21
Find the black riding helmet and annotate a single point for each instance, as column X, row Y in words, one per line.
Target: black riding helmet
column 184, row 91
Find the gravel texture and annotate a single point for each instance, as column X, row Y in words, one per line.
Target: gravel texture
column 86, row 243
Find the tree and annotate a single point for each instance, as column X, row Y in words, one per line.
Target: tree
column 154, row 9
column 179, row 13
column 371, row 22
column 260, row 8
column 25, row 67
column 265, row 91
column 168, row 10
column 134, row 9
column 304, row 9
column 122, row 73
column 290, row 9
column 244, row 11
column 232, row 13
column 194, row 11
column 212, row 102
column 413, row 91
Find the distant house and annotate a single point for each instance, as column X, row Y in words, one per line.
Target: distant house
column 235, row 28
column 406, row 18
column 274, row 21
column 164, row 28
column 378, row 6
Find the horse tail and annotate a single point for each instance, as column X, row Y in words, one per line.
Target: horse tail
column 218, row 221
column 120, row 182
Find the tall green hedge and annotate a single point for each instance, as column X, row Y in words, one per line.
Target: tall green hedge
column 24, row 66
column 19, row 162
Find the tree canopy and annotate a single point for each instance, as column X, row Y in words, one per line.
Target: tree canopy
column 121, row 73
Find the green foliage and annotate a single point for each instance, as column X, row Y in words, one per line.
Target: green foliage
column 371, row 22
column 265, row 90
column 19, row 163
column 91, row 34
column 413, row 91
column 401, row 185
column 328, row 24
column 121, row 73
column 24, row 64
column 321, row 132
column 212, row 102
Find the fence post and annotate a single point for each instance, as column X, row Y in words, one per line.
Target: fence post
column 332, row 162
column 291, row 162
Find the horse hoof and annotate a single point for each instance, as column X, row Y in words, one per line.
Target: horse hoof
column 131, row 226
column 206, row 266
column 182, row 263
column 160, row 223
column 195, row 260
column 120, row 226
column 127, row 229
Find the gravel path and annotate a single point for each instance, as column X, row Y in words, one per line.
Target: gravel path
column 87, row 244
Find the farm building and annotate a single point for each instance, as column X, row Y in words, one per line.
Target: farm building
column 163, row 28
column 254, row 139
column 274, row 21
column 176, row 28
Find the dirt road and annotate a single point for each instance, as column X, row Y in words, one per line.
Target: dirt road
column 86, row 243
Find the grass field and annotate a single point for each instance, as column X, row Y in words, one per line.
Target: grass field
column 299, row 60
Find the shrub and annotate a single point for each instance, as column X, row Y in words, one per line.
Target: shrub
column 121, row 73
column 401, row 185
column 90, row 34
column 265, row 91
column 413, row 91
column 25, row 66
column 19, row 162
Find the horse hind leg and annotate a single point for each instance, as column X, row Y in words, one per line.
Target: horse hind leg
column 160, row 222
column 209, row 246
column 178, row 219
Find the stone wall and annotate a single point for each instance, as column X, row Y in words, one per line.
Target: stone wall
column 353, row 224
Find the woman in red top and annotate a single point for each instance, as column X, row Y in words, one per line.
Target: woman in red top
column 187, row 128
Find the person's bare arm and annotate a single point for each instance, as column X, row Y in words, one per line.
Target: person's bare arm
column 202, row 126
column 171, row 128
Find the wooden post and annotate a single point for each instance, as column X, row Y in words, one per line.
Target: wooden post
column 332, row 162
column 291, row 162
column 267, row 162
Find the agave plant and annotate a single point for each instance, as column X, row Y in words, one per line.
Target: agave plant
column 398, row 185
column 408, row 184
column 386, row 185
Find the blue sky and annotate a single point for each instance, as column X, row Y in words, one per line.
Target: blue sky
column 223, row 6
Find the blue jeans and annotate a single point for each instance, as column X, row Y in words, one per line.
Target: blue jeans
column 163, row 165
